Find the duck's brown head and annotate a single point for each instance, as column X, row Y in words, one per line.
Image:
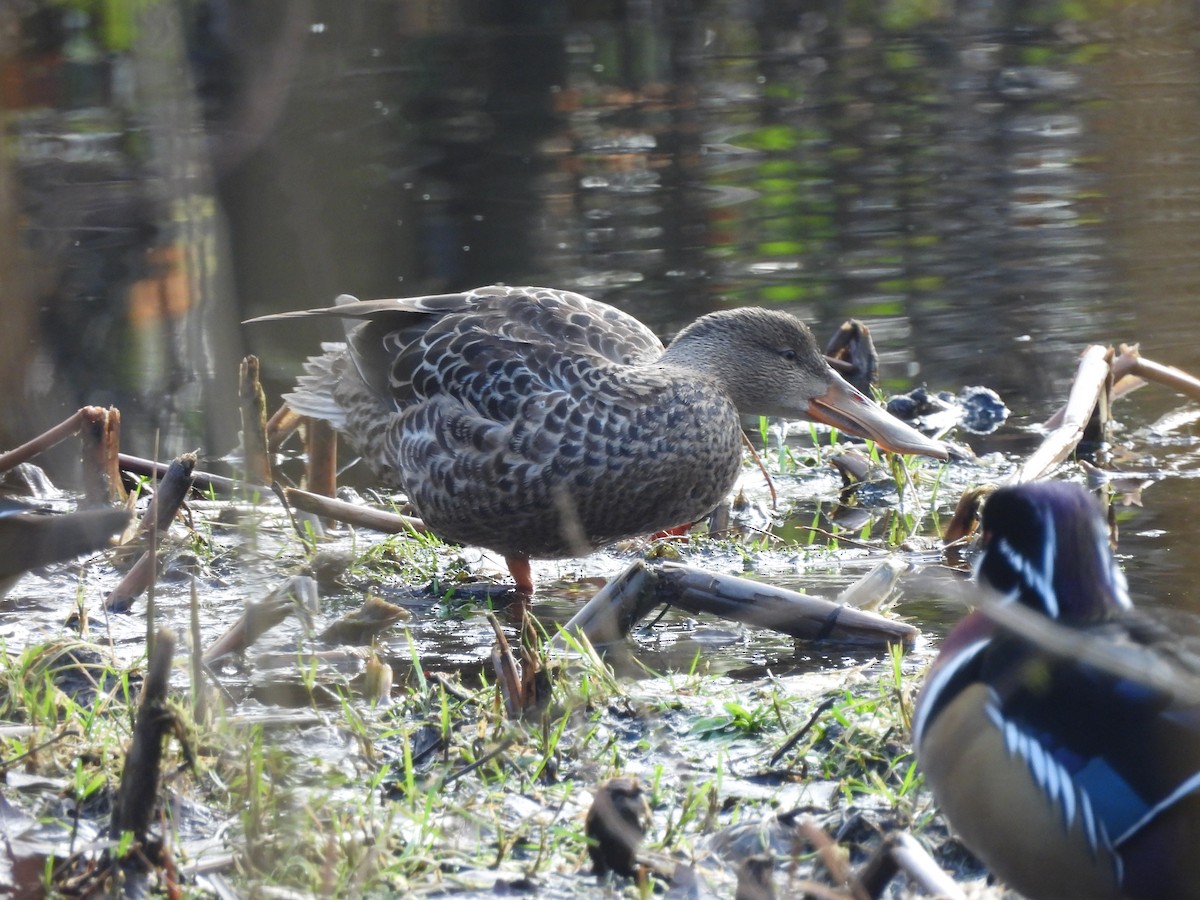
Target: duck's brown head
column 770, row 365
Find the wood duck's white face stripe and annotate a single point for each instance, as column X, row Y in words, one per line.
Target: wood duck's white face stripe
column 1116, row 577
column 1040, row 581
column 1037, row 575
column 1055, row 782
column 936, row 685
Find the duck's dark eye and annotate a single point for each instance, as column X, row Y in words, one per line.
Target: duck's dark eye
column 789, row 354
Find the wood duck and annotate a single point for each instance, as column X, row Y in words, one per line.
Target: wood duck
column 539, row 423
column 1069, row 775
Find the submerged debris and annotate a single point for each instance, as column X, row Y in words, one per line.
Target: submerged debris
column 978, row 410
column 616, row 823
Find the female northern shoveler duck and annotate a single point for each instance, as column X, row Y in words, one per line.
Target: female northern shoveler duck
column 540, row 423
column 1070, row 776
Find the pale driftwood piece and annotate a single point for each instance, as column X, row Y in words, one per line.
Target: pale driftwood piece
column 299, row 592
column 353, row 514
column 138, row 796
column 1090, row 380
column 916, row 862
column 1131, row 371
column 613, row 609
column 43, row 441
column 872, row 589
column 168, row 497
column 201, row 481
column 767, row 606
column 1124, row 381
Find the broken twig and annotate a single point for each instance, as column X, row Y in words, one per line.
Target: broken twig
column 256, row 463
column 138, row 795
column 168, row 497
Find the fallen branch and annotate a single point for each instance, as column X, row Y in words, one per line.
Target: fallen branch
column 612, row 612
column 201, row 481
column 614, row 609
column 44, row 441
column 1131, row 370
column 799, row 615
column 352, row 513
column 1131, row 364
column 901, row 851
column 1091, row 378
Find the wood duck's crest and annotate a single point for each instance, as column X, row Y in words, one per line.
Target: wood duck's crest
column 1046, row 545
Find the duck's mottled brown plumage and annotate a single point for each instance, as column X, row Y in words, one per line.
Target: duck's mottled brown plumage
column 537, row 422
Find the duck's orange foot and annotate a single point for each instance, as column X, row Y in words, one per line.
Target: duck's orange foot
column 679, row 531
column 518, row 567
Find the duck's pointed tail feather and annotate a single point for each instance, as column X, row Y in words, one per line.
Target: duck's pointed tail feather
column 314, row 393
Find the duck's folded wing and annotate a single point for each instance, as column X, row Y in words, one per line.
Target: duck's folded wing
column 1117, row 751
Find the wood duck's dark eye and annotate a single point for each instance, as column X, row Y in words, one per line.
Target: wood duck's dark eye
column 789, row 354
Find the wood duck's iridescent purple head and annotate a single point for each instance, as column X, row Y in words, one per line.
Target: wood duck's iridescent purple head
column 1046, row 546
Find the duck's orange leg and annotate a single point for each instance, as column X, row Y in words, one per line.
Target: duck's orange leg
column 677, row 532
column 518, row 567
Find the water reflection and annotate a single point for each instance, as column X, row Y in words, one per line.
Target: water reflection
column 991, row 187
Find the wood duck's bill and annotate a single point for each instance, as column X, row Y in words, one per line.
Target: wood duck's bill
column 844, row 407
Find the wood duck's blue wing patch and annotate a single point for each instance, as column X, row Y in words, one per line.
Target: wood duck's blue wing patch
column 1106, row 751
